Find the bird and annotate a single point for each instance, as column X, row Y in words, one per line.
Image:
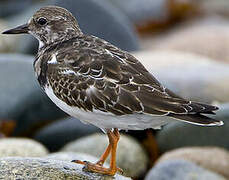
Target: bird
column 99, row 84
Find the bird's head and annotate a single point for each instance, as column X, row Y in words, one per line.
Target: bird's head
column 49, row 25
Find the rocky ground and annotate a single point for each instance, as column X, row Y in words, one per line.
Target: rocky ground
column 185, row 44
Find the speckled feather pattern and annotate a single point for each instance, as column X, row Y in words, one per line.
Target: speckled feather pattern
column 91, row 75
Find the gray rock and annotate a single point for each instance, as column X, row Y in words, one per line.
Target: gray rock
column 202, row 156
column 65, row 130
column 144, row 10
column 21, row 97
column 69, row 156
column 131, row 157
column 178, row 134
column 12, row 7
column 180, row 170
column 191, row 76
column 40, row 168
column 21, row 147
column 207, row 36
column 103, row 20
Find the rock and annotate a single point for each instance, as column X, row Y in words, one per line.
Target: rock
column 120, row 31
column 208, row 37
column 64, row 130
column 178, row 134
column 69, row 156
column 155, row 13
column 140, row 12
column 131, row 157
column 180, row 169
column 18, row 85
column 21, row 147
column 40, row 168
column 178, row 72
column 202, row 156
column 12, row 7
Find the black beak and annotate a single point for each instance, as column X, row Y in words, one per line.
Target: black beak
column 23, row 29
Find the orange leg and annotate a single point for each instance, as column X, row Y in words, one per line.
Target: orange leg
column 98, row 168
column 104, row 156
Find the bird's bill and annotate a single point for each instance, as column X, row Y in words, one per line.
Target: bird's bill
column 23, row 29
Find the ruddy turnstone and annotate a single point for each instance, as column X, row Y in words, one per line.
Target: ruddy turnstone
column 98, row 83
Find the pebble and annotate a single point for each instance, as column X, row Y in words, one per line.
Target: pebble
column 40, row 168
column 211, row 158
column 21, row 147
column 180, row 170
column 208, row 36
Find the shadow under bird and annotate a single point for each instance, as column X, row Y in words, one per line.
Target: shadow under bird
column 100, row 84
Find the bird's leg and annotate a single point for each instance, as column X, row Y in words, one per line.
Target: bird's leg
column 104, row 155
column 108, row 149
column 98, row 168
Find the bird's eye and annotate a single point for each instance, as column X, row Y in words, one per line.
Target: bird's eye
column 42, row 21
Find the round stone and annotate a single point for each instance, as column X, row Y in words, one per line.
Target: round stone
column 202, row 156
column 21, row 147
column 180, row 169
column 40, row 168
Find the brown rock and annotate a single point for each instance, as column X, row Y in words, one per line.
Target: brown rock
column 208, row 37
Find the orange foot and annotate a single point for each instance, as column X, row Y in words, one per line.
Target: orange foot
column 111, row 148
column 96, row 168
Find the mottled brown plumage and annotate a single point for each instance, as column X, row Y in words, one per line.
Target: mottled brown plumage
column 100, row 84
column 121, row 84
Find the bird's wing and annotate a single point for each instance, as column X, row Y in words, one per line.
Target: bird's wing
column 96, row 75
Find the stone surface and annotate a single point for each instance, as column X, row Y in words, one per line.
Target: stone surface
column 12, row 7
column 191, row 76
column 65, row 130
column 208, row 36
column 21, row 147
column 178, row 134
column 69, row 156
column 118, row 31
column 143, row 11
column 40, row 168
column 18, row 85
column 131, row 157
column 212, row 158
column 180, row 170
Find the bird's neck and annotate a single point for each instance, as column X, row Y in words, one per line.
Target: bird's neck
column 55, row 38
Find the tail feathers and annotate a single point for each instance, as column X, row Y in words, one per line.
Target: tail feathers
column 202, row 108
column 197, row 119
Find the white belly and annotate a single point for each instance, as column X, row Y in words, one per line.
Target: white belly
column 108, row 120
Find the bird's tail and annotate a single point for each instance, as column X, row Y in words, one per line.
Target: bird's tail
column 197, row 119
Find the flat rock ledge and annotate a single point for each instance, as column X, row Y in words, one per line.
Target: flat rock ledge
column 40, row 168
